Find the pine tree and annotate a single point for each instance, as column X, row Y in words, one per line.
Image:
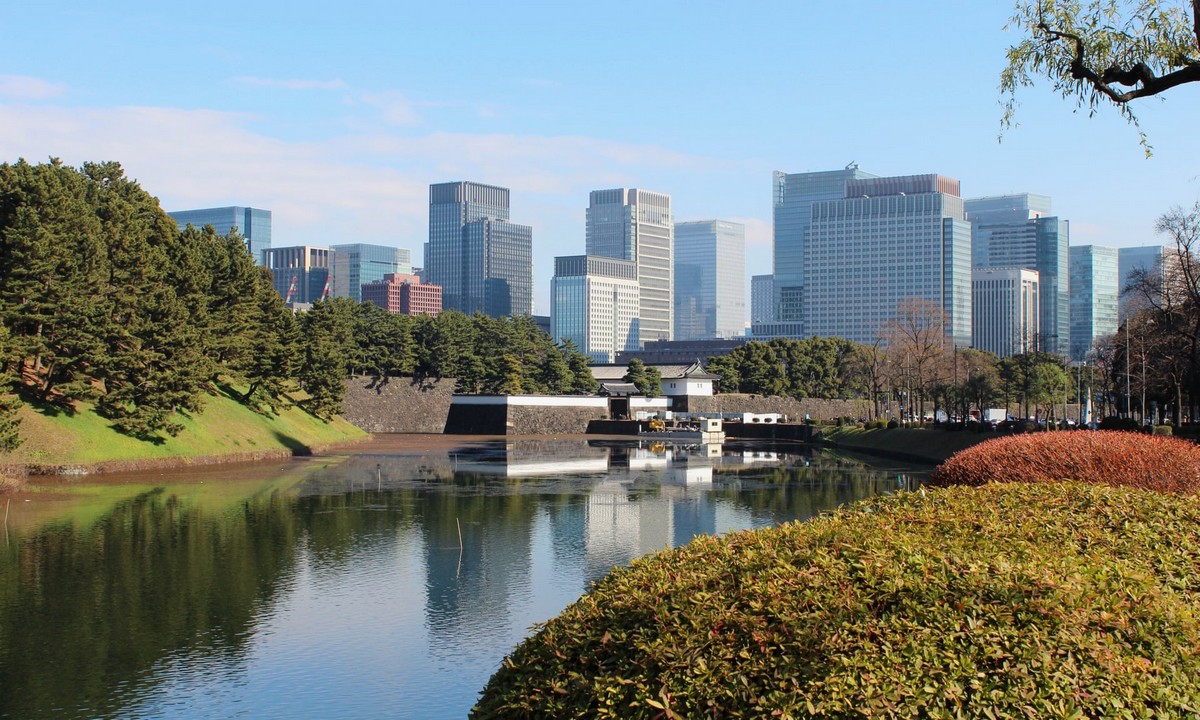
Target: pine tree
column 10, row 404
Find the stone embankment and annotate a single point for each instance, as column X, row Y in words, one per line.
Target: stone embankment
column 795, row 409
column 398, row 404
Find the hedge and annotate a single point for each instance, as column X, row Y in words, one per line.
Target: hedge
column 1160, row 463
column 1039, row 600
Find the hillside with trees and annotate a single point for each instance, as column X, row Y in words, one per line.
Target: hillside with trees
column 107, row 304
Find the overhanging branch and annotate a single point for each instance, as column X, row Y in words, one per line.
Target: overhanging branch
column 1140, row 78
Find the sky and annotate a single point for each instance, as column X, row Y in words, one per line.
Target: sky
column 338, row 117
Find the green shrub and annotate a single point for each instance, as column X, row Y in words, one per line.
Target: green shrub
column 1008, row 601
column 1162, row 430
column 892, row 425
column 1158, row 463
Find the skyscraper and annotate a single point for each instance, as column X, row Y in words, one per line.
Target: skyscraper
column 252, row 223
column 884, row 241
column 636, row 225
column 483, row 262
column 300, row 273
column 1148, row 259
column 594, row 304
column 1006, row 314
column 710, row 279
column 762, row 299
column 1017, row 231
column 1095, row 291
column 792, row 198
column 356, row 264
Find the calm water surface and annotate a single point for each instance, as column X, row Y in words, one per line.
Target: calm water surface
column 377, row 584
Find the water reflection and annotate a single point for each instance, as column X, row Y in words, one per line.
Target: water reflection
column 370, row 585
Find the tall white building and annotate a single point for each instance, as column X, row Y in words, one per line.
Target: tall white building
column 636, row 225
column 710, row 279
column 594, row 304
column 1007, row 313
column 885, row 241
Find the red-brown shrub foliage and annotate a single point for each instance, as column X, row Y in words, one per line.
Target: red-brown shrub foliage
column 1161, row 463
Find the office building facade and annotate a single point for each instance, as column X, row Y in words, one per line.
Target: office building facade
column 1146, row 262
column 594, row 303
column 792, row 198
column 254, row 224
column 300, row 273
column 762, row 299
column 637, row 225
column 356, row 264
column 483, row 262
column 710, row 279
column 887, row 240
column 1095, row 296
column 1018, row 231
column 403, row 294
column 1006, row 310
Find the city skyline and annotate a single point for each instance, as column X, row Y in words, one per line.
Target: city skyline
column 346, row 141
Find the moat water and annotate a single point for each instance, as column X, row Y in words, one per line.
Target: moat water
column 374, row 584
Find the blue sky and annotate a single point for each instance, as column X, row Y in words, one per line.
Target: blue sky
column 337, row 117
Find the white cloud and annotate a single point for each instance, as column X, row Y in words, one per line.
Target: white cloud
column 23, row 87
column 292, row 84
column 395, row 107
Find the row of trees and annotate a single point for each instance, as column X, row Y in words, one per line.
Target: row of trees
column 910, row 369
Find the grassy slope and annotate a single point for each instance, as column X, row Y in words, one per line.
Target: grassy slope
column 224, row 428
column 931, row 445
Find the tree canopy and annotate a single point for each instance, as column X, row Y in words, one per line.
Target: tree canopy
column 1103, row 51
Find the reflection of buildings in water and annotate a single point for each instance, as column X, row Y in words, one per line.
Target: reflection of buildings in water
column 533, row 458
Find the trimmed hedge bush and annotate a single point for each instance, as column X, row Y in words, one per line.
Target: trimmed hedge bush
column 1161, row 463
column 1046, row 600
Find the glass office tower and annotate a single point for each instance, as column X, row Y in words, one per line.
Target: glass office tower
column 254, row 225
column 885, row 241
column 594, row 304
column 356, row 264
column 1095, row 292
column 483, row 262
column 1018, row 231
column 793, row 195
column 710, row 279
column 636, row 225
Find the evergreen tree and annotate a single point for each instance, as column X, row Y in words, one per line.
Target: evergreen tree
column 52, row 260
column 325, row 331
column 10, row 404
column 582, row 379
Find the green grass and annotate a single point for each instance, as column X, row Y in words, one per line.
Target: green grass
column 928, row 444
column 225, row 427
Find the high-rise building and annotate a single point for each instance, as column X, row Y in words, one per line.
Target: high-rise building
column 403, row 294
column 887, row 240
column 1095, row 291
column 1006, row 313
column 636, row 225
column 356, row 264
column 300, row 273
column 483, row 262
column 253, row 224
column 1018, row 231
column 762, row 299
column 594, row 304
column 1146, row 260
column 710, row 279
column 792, row 197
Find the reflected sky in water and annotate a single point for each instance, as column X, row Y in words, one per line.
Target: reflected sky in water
column 370, row 585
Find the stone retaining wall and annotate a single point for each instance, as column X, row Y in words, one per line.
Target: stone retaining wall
column 793, row 408
column 398, row 404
